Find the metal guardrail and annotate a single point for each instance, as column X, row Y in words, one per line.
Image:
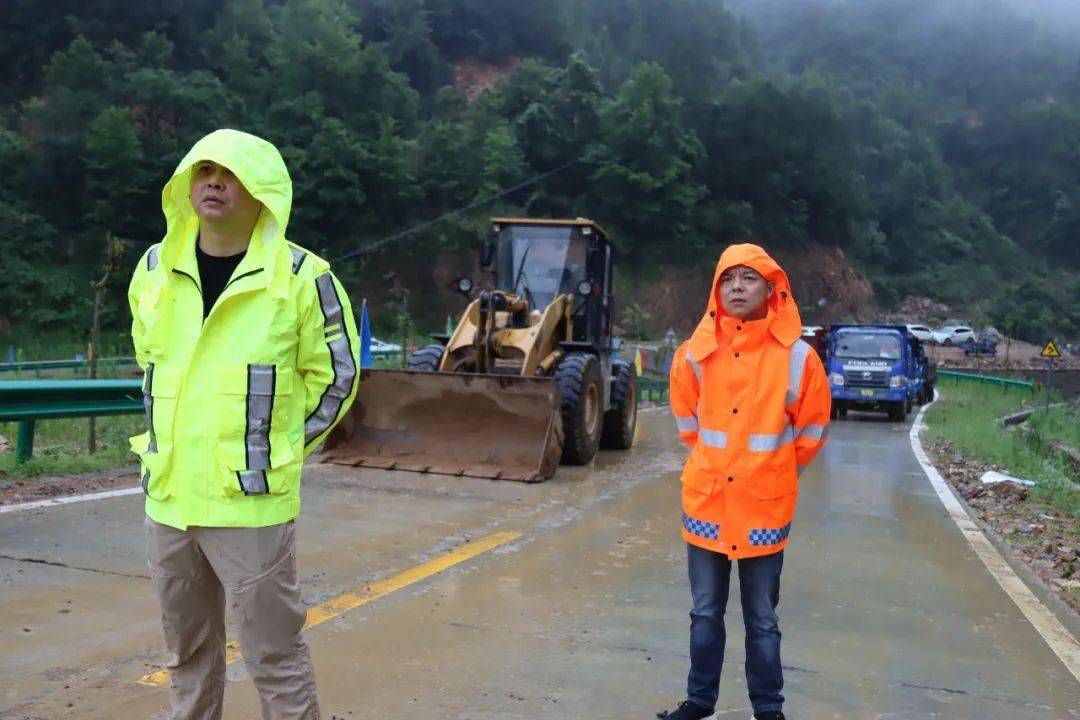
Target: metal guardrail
column 38, row 366
column 986, row 379
column 27, row 401
column 651, row 389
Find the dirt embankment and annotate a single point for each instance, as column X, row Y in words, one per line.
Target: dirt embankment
column 827, row 287
column 472, row 77
column 1012, row 355
column 21, row 490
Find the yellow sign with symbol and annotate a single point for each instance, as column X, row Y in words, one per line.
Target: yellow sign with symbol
column 1050, row 351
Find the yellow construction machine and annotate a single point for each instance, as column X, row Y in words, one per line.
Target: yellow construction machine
column 527, row 379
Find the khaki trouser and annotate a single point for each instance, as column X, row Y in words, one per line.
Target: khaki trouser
column 193, row 571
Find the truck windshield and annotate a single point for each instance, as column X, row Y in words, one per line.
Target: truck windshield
column 877, row 346
column 543, row 260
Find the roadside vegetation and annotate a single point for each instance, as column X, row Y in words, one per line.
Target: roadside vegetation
column 60, row 447
column 1062, row 424
column 968, row 418
column 1041, row 524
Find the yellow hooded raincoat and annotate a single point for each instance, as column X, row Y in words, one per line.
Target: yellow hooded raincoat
column 234, row 403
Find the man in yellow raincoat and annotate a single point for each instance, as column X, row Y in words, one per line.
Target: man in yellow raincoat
column 249, row 348
column 751, row 401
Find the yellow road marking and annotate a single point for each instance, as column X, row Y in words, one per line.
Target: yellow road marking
column 348, row 601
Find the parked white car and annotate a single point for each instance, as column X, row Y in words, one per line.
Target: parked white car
column 922, row 332
column 378, row 346
column 953, row 334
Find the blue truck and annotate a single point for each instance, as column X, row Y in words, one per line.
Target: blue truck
column 877, row 367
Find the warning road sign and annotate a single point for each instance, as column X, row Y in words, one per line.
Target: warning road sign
column 1050, row 351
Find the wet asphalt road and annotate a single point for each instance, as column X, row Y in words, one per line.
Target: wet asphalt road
column 885, row 609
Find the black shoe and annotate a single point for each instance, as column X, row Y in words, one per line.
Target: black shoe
column 686, row 711
column 769, row 715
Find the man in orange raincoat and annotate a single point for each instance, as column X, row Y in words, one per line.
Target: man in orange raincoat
column 751, row 400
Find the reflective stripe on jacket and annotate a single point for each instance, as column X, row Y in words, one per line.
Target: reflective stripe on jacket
column 234, row 403
column 752, row 401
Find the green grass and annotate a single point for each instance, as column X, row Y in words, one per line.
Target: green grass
column 968, row 415
column 61, row 345
column 1063, row 423
column 60, row 446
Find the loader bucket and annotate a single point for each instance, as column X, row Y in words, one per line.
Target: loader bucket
column 491, row 426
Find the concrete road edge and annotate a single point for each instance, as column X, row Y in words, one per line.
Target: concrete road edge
column 1056, row 635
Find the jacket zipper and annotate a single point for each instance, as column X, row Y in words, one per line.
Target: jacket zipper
column 240, row 277
column 231, row 281
column 181, row 272
column 227, row 285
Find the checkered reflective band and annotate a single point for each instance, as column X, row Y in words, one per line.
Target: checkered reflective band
column 770, row 536
column 701, row 528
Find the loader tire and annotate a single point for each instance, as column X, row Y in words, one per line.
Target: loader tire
column 427, row 358
column 581, row 390
column 621, row 419
column 897, row 411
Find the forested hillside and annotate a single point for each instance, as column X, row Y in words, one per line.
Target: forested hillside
column 936, row 145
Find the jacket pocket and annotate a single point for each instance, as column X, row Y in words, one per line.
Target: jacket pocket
column 253, row 439
column 774, row 512
column 252, row 405
column 275, row 473
column 153, row 466
column 771, row 486
column 698, row 474
column 161, row 385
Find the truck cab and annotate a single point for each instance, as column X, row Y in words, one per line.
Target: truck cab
column 875, row 367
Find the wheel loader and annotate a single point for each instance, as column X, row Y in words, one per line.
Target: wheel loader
column 528, row 378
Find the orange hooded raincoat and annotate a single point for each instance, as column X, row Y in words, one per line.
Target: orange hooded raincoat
column 751, row 400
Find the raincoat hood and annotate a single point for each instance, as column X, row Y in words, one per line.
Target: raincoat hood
column 258, row 165
column 783, row 318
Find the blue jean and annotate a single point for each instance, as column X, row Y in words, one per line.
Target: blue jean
column 759, row 584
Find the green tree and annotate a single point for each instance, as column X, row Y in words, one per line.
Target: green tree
column 643, row 162
column 116, row 180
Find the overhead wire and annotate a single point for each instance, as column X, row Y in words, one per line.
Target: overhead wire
column 376, row 244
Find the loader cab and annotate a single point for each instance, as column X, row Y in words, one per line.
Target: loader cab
column 542, row 259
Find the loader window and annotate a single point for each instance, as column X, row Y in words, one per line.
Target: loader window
column 544, row 260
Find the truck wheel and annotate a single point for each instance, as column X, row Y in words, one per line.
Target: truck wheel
column 839, row 409
column 427, row 358
column 896, row 411
column 621, row 419
column 581, row 390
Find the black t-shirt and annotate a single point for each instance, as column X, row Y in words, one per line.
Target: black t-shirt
column 214, row 274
